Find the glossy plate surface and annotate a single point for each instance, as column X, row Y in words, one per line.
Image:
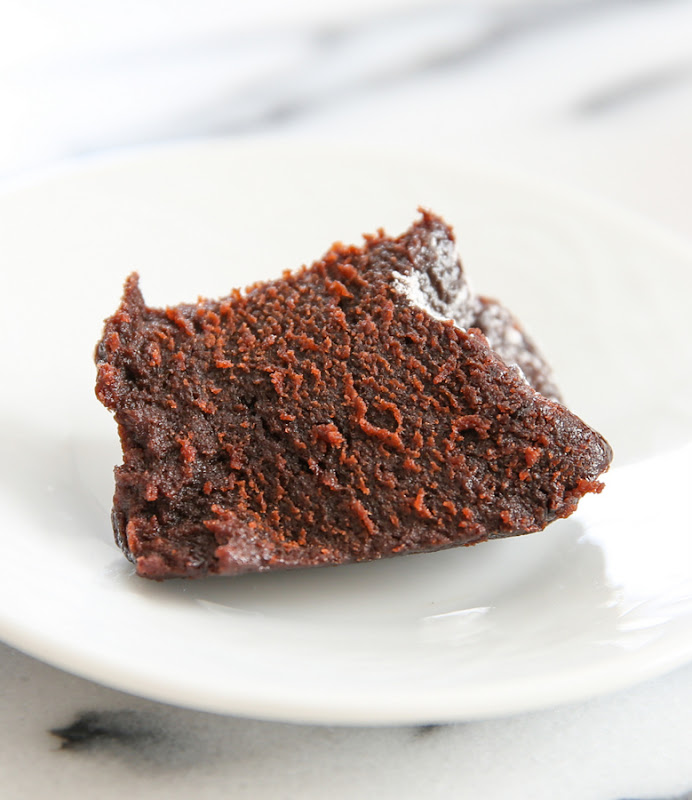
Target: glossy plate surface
column 593, row 604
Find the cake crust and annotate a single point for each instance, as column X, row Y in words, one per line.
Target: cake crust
column 367, row 406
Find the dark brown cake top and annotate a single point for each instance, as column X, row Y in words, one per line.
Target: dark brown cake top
column 345, row 412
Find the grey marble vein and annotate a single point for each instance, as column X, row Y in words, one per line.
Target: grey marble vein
column 384, row 51
column 637, row 88
column 137, row 737
column 423, row 731
column 686, row 796
column 93, row 728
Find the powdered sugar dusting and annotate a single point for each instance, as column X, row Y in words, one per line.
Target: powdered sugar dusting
column 436, row 284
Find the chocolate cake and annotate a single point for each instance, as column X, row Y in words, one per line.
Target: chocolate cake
column 367, row 406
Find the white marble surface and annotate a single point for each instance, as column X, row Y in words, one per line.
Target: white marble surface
column 594, row 95
column 634, row 744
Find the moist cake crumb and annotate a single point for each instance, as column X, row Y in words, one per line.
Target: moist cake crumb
column 366, row 406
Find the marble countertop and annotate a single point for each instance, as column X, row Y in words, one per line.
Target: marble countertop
column 65, row 737
column 594, row 95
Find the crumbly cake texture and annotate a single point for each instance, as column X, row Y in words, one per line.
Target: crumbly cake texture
column 366, row 406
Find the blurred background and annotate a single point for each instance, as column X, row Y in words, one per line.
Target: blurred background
column 593, row 94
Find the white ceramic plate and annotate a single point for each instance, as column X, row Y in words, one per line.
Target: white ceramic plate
column 594, row 603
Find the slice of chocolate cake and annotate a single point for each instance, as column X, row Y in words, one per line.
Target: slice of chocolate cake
column 363, row 407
